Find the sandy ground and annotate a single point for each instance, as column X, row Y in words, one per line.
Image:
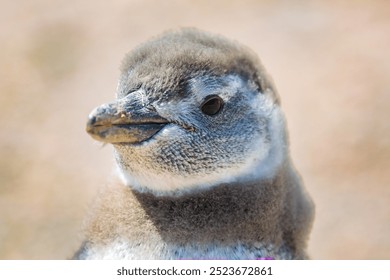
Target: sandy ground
column 59, row 59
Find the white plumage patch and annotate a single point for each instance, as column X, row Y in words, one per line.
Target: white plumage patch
column 263, row 162
column 122, row 249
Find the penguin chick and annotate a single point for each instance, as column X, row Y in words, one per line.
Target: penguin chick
column 201, row 148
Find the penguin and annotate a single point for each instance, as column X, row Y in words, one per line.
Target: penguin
column 201, row 150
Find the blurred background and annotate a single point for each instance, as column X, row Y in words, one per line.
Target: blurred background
column 59, row 59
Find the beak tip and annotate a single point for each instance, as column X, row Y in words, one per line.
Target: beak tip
column 90, row 124
column 91, row 120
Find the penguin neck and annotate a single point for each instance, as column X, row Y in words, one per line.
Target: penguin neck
column 244, row 211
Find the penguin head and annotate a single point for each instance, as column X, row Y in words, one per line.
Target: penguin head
column 192, row 111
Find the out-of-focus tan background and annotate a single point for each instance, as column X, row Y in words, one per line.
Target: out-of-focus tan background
column 59, row 59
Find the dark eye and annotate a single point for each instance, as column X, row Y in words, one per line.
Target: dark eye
column 212, row 105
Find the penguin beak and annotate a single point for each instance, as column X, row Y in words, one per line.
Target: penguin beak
column 122, row 121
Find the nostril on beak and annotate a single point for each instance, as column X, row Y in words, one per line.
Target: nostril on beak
column 122, row 114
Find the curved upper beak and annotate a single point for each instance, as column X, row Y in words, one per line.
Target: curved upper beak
column 124, row 121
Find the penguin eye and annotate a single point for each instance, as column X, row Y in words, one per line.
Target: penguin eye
column 212, row 105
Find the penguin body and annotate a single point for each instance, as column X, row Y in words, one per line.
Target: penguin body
column 201, row 149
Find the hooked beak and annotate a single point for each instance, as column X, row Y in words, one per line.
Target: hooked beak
column 117, row 122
